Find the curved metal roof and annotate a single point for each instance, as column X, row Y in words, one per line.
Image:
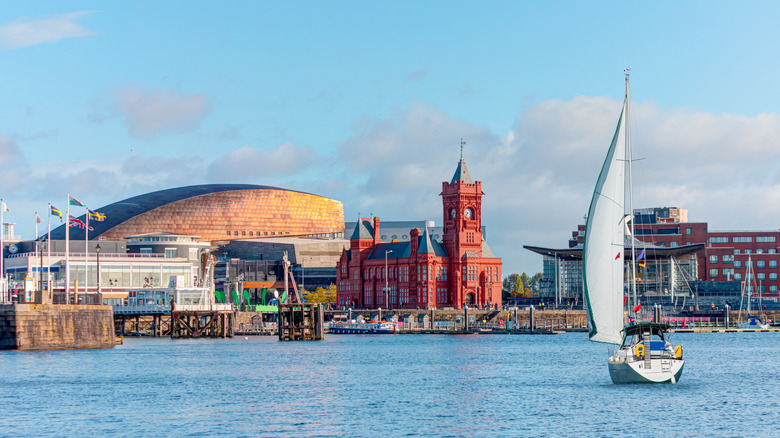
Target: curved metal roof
column 121, row 211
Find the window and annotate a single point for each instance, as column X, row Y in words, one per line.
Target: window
column 737, row 276
column 760, row 264
column 742, row 239
column 761, row 276
column 228, row 233
column 171, row 253
column 723, row 239
column 674, row 244
column 713, row 273
column 771, row 251
column 688, row 231
column 243, row 233
column 728, row 272
column 250, row 233
column 765, row 239
column 773, row 263
column 728, row 258
column 146, row 250
column 773, row 289
column 773, row 276
column 737, row 264
column 713, row 259
column 760, row 251
column 736, row 251
column 748, row 251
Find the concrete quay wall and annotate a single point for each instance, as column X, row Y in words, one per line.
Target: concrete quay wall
column 55, row 326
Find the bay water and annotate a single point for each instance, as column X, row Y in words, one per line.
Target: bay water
column 387, row 385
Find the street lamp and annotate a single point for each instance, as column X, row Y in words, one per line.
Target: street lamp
column 97, row 251
column 386, row 277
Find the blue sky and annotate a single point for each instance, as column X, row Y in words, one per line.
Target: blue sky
column 365, row 102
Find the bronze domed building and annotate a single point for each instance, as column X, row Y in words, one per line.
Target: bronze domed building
column 216, row 212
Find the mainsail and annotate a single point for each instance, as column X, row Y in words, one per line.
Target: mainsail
column 602, row 256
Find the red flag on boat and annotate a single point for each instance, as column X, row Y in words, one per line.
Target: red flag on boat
column 617, row 256
column 638, row 307
column 625, row 299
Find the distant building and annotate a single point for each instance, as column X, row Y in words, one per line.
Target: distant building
column 723, row 257
column 422, row 272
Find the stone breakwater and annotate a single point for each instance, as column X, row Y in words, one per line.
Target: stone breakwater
column 54, row 327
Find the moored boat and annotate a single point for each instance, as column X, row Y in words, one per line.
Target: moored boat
column 363, row 328
column 645, row 356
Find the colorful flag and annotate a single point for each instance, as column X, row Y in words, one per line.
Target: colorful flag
column 56, row 212
column 97, row 216
column 617, row 256
column 74, row 201
column 640, row 256
column 638, row 307
column 4, row 207
column 641, row 264
column 38, row 218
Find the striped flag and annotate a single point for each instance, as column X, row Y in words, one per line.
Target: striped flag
column 56, row 212
column 76, row 202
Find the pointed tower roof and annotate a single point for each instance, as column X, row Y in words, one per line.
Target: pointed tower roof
column 426, row 247
column 462, row 173
column 363, row 230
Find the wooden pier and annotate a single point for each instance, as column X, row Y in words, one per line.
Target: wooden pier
column 301, row 322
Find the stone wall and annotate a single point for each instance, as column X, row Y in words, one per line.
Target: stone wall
column 54, row 327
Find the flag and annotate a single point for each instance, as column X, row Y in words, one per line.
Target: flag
column 617, row 256
column 56, row 212
column 4, row 207
column 76, row 222
column 38, row 219
column 74, row 201
column 640, row 256
column 638, row 307
column 97, row 216
column 641, row 264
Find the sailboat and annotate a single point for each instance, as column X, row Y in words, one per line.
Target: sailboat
column 642, row 353
column 754, row 321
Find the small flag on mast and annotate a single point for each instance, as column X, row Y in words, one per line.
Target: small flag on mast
column 97, row 216
column 76, row 202
column 38, row 218
column 56, row 212
column 638, row 307
column 4, row 207
column 640, row 256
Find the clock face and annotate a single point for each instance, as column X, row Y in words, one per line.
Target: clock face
column 469, row 213
column 452, row 213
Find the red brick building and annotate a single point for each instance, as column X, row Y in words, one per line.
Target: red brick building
column 459, row 271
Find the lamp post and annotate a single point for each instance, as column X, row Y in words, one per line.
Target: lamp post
column 386, row 277
column 97, row 251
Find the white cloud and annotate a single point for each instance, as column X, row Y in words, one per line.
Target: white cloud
column 248, row 163
column 149, row 113
column 26, row 32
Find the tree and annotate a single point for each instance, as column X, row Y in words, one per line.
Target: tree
column 321, row 295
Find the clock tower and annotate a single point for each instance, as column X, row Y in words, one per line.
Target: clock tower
column 462, row 203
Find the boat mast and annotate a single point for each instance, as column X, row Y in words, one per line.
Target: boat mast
column 629, row 159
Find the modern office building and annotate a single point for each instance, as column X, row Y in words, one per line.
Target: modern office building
column 720, row 256
column 422, row 272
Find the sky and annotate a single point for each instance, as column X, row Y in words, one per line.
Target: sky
column 367, row 102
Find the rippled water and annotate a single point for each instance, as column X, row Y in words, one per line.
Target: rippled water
column 402, row 385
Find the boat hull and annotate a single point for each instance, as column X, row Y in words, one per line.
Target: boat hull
column 661, row 370
column 359, row 331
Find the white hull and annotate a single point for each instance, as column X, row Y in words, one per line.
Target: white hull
column 625, row 367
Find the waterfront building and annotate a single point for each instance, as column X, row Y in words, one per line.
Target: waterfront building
column 721, row 256
column 458, row 270
column 217, row 213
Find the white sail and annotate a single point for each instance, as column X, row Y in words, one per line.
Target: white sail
column 604, row 243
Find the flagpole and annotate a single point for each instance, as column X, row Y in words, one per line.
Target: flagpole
column 36, row 250
column 67, row 252
column 48, row 256
column 86, row 250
